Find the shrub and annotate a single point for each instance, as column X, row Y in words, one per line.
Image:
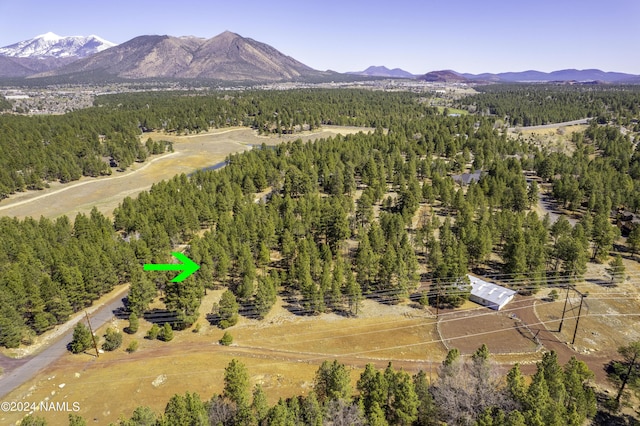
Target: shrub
column 133, row 346
column 112, row 340
column 153, row 332
column 227, row 339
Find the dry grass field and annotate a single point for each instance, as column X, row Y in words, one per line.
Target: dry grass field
column 192, row 152
column 609, row 317
column 281, row 353
column 556, row 138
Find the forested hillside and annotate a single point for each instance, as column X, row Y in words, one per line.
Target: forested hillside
column 40, row 149
column 4, row 103
column 338, row 221
column 381, row 215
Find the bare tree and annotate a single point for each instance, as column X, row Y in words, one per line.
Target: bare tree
column 340, row 413
column 465, row 389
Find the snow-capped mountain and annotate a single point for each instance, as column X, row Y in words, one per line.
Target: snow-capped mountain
column 53, row 45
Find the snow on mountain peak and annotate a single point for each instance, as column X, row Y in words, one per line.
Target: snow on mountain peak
column 49, row 36
column 53, row 45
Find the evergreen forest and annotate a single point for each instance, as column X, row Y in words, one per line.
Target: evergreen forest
column 380, row 214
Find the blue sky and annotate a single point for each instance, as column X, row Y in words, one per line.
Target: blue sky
column 418, row 36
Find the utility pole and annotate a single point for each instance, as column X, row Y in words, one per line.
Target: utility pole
column 575, row 331
column 95, row 345
column 438, row 303
column 564, row 309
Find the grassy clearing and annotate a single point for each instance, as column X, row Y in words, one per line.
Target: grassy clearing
column 281, row 352
column 453, row 110
column 556, row 138
column 192, row 152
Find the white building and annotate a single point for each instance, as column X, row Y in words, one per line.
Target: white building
column 489, row 294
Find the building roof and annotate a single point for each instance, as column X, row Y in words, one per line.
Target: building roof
column 489, row 291
column 467, row 178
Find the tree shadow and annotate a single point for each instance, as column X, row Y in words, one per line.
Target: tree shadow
column 121, row 313
column 602, row 282
column 161, row 316
column 213, row 319
column 388, row 298
column 607, row 415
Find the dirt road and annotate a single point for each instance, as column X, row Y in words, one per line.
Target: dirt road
column 552, row 125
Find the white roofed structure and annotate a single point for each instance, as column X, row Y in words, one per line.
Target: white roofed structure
column 488, row 294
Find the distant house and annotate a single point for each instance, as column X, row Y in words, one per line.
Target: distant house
column 466, row 178
column 626, row 221
column 488, row 294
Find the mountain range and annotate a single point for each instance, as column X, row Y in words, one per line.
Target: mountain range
column 53, row 45
column 47, row 52
column 382, row 71
column 450, row 76
column 227, row 57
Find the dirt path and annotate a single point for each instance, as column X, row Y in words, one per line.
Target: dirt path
column 85, row 181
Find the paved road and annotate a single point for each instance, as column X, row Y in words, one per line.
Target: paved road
column 18, row 372
column 552, row 125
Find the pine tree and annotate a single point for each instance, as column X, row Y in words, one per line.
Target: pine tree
column 236, row 384
column 633, row 240
column 332, row 382
column 516, row 385
column 31, row 420
column 226, row 339
column 616, row 269
column 185, row 410
column 259, row 406
column 153, row 332
column 82, row 339
column 141, row 292
column 311, row 411
column 403, row 408
column 167, row 332
column 266, row 295
column 75, row 420
column 228, row 310
column 133, row 324
column 373, row 389
column 603, row 236
column 142, row 416
column 426, row 407
column 353, row 292
column 626, row 373
column 581, row 400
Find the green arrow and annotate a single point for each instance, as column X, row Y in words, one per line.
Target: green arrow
column 187, row 267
